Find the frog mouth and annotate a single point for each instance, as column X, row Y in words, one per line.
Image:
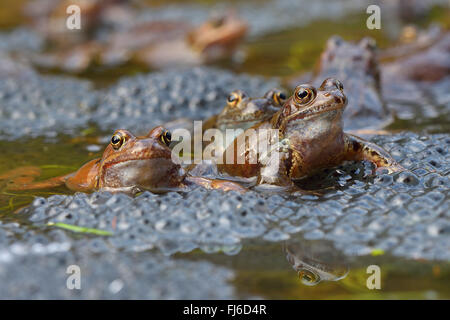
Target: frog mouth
column 314, row 111
column 231, row 122
column 144, row 155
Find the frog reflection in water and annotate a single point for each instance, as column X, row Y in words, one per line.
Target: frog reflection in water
column 311, row 133
column 315, row 262
column 129, row 164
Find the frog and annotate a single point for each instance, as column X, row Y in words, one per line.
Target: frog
column 152, row 44
column 310, row 137
column 315, row 262
column 239, row 113
column 411, row 40
column 216, row 39
column 50, row 18
column 426, row 60
column 417, row 74
column 129, row 164
column 242, row 111
column 356, row 65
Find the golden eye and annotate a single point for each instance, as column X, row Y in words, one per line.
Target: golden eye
column 304, row 95
column 233, row 99
column 308, row 278
column 339, row 85
column 279, row 97
column 117, row 140
column 166, row 137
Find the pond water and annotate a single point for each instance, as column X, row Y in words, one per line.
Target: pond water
column 260, row 268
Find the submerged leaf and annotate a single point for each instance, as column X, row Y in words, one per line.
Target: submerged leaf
column 80, row 229
column 377, row 252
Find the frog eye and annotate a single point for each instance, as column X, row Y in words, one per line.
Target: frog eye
column 304, row 94
column 117, row 140
column 339, row 85
column 368, row 43
column 166, row 137
column 233, row 99
column 308, row 278
column 279, row 97
column 217, row 22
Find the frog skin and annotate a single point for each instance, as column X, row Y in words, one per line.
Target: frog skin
column 310, row 126
column 49, row 18
column 427, row 63
column 416, row 71
column 216, row 39
column 411, row 41
column 315, row 262
column 129, row 164
column 356, row 65
column 410, row 10
column 73, row 59
column 240, row 113
column 218, row 36
column 243, row 112
column 158, row 44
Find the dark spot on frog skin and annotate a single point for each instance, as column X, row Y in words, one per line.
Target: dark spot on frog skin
column 356, row 146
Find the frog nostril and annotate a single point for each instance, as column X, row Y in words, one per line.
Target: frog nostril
column 331, row 84
column 339, row 85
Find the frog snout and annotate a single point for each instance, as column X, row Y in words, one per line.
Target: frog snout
column 330, row 84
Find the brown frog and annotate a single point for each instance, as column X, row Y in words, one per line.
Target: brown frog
column 157, row 44
column 310, row 138
column 421, row 60
column 49, row 17
column 240, row 113
column 243, row 112
column 129, row 164
column 356, row 65
column 215, row 39
column 417, row 74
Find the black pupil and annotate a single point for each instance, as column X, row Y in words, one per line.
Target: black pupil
column 168, row 136
column 231, row 98
column 282, row 96
column 115, row 140
column 302, row 94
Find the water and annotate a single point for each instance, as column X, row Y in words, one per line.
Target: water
column 255, row 267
